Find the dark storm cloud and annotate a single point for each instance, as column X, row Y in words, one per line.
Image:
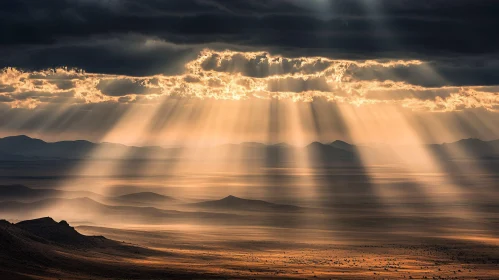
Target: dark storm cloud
column 130, row 55
column 115, row 36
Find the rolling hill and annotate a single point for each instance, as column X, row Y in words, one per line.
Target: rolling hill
column 87, row 209
column 24, row 193
column 145, row 197
column 232, row 203
column 142, row 199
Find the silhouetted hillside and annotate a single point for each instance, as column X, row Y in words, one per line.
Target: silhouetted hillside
column 326, row 154
column 142, row 199
column 145, row 197
column 41, row 246
column 18, row 148
column 466, row 148
column 60, row 233
column 46, row 249
column 29, row 147
column 90, row 210
column 232, row 203
column 343, row 145
column 23, row 193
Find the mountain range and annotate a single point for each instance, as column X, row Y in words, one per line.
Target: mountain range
column 23, row 148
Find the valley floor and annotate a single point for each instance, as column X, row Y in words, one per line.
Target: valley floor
column 254, row 253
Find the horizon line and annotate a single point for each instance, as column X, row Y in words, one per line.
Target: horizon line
column 244, row 142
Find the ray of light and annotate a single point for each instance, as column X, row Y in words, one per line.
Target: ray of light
column 426, row 175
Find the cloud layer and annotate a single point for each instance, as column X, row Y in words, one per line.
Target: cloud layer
column 121, row 36
column 425, row 55
column 245, row 75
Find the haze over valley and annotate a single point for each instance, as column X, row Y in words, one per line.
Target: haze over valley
column 249, row 139
column 273, row 219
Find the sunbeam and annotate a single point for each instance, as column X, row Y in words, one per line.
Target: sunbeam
column 277, row 139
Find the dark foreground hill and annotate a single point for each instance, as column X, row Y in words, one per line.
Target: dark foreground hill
column 46, row 249
column 22, row 236
column 61, row 233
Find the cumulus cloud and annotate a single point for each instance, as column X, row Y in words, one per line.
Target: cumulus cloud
column 244, row 75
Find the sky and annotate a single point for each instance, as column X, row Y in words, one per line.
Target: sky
column 211, row 71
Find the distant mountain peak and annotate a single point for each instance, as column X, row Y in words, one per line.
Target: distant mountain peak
column 281, row 144
column 145, row 197
column 315, row 144
column 339, row 142
column 39, row 221
column 142, row 194
column 467, row 140
column 64, row 223
column 232, row 202
column 342, row 145
column 476, row 140
column 21, row 137
column 257, row 144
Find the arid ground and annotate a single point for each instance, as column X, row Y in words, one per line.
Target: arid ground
column 388, row 225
